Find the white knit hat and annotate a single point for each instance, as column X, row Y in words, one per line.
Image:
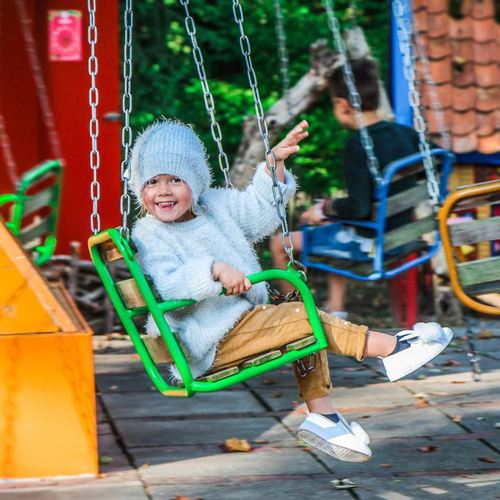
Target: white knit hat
column 170, row 147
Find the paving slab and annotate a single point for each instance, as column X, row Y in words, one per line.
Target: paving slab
column 124, row 491
column 463, row 487
column 153, row 404
column 148, row 432
column 160, row 465
column 289, row 487
column 412, row 422
column 402, row 456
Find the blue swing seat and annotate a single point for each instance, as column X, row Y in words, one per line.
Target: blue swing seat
column 395, row 251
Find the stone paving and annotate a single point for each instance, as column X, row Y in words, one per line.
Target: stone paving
column 434, row 435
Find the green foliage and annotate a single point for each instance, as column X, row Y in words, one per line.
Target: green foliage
column 166, row 81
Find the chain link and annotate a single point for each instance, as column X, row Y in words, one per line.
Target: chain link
column 93, row 69
column 207, row 95
column 354, row 97
column 283, row 55
column 128, row 23
column 404, row 32
column 270, row 159
column 41, row 88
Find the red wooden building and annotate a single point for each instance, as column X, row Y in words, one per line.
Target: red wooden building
column 43, row 63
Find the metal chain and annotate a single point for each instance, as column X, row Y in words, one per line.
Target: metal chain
column 128, row 22
column 431, row 87
column 354, row 97
column 41, row 88
column 283, row 55
column 270, row 159
column 93, row 68
column 207, row 95
column 404, row 31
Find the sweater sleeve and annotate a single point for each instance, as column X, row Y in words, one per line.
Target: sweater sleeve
column 174, row 279
column 254, row 209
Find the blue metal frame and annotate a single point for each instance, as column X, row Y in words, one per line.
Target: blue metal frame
column 378, row 226
column 399, row 86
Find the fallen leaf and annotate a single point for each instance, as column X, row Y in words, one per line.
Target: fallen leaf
column 261, row 441
column 427, row 449
column 421, row 403
column 182, row 497
column 457, row 419
column 276, row 394
column 343, row 484
column 487, row 459
column 104, row 459
column 452, row 362
column 485, row 334
column 235, row 444
column 421, row 377
column 458, row 381
column 268, row 381
column 385, row 465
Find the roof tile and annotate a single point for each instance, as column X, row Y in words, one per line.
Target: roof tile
column 482, row 10
column 490, row 144
column 463, row 123
column 463, row 98
column 464, row 143
column 440, row 47
column 487, row 75
column 464, row 62
column 483, row 30
column 437, row 24
column 485, row 123
column 486, row 52
column 463, row 72
column 487, row 99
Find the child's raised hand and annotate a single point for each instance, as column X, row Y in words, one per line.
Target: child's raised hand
column 288, row 146
column 234, row 281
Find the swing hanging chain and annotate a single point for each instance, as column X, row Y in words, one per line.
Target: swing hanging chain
column 354, row 97
column 404, row 33
column 207, row 95
column 128, row 23
column 283, row 55
column 41, row 88
column 270, row 158
column 93, row 68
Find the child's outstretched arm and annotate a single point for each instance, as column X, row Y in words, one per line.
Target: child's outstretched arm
column 287, row 147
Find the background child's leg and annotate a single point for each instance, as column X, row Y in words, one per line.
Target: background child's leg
column 280, row 258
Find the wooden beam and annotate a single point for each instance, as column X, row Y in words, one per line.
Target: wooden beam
column 466, row 233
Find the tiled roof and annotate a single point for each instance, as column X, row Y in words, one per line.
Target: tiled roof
column 464, row 61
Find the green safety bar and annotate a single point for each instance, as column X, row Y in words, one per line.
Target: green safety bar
column 21, row 206
column 158, row 308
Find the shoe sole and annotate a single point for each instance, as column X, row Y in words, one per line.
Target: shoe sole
column 426, row 360
column 335, row 451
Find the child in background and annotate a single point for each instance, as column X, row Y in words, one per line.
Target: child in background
column 391, row 142
column 196, row 241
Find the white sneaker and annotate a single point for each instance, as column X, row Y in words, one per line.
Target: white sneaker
column 426, row 340
column 339, row 440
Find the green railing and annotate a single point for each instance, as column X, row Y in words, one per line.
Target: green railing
column 157, row 309
column 25, row 204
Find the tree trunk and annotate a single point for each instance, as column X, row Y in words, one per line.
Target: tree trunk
column 302, row 96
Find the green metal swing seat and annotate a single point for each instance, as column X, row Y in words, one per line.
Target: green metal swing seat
column 135, row 297
column 34, row 209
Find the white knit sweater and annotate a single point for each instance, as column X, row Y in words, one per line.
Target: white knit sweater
column 179, row 256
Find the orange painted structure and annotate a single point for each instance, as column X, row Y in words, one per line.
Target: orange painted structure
column 47, row 402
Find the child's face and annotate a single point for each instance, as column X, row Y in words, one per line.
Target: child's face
column 168, row 198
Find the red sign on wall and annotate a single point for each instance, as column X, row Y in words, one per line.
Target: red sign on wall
column 65, row 35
